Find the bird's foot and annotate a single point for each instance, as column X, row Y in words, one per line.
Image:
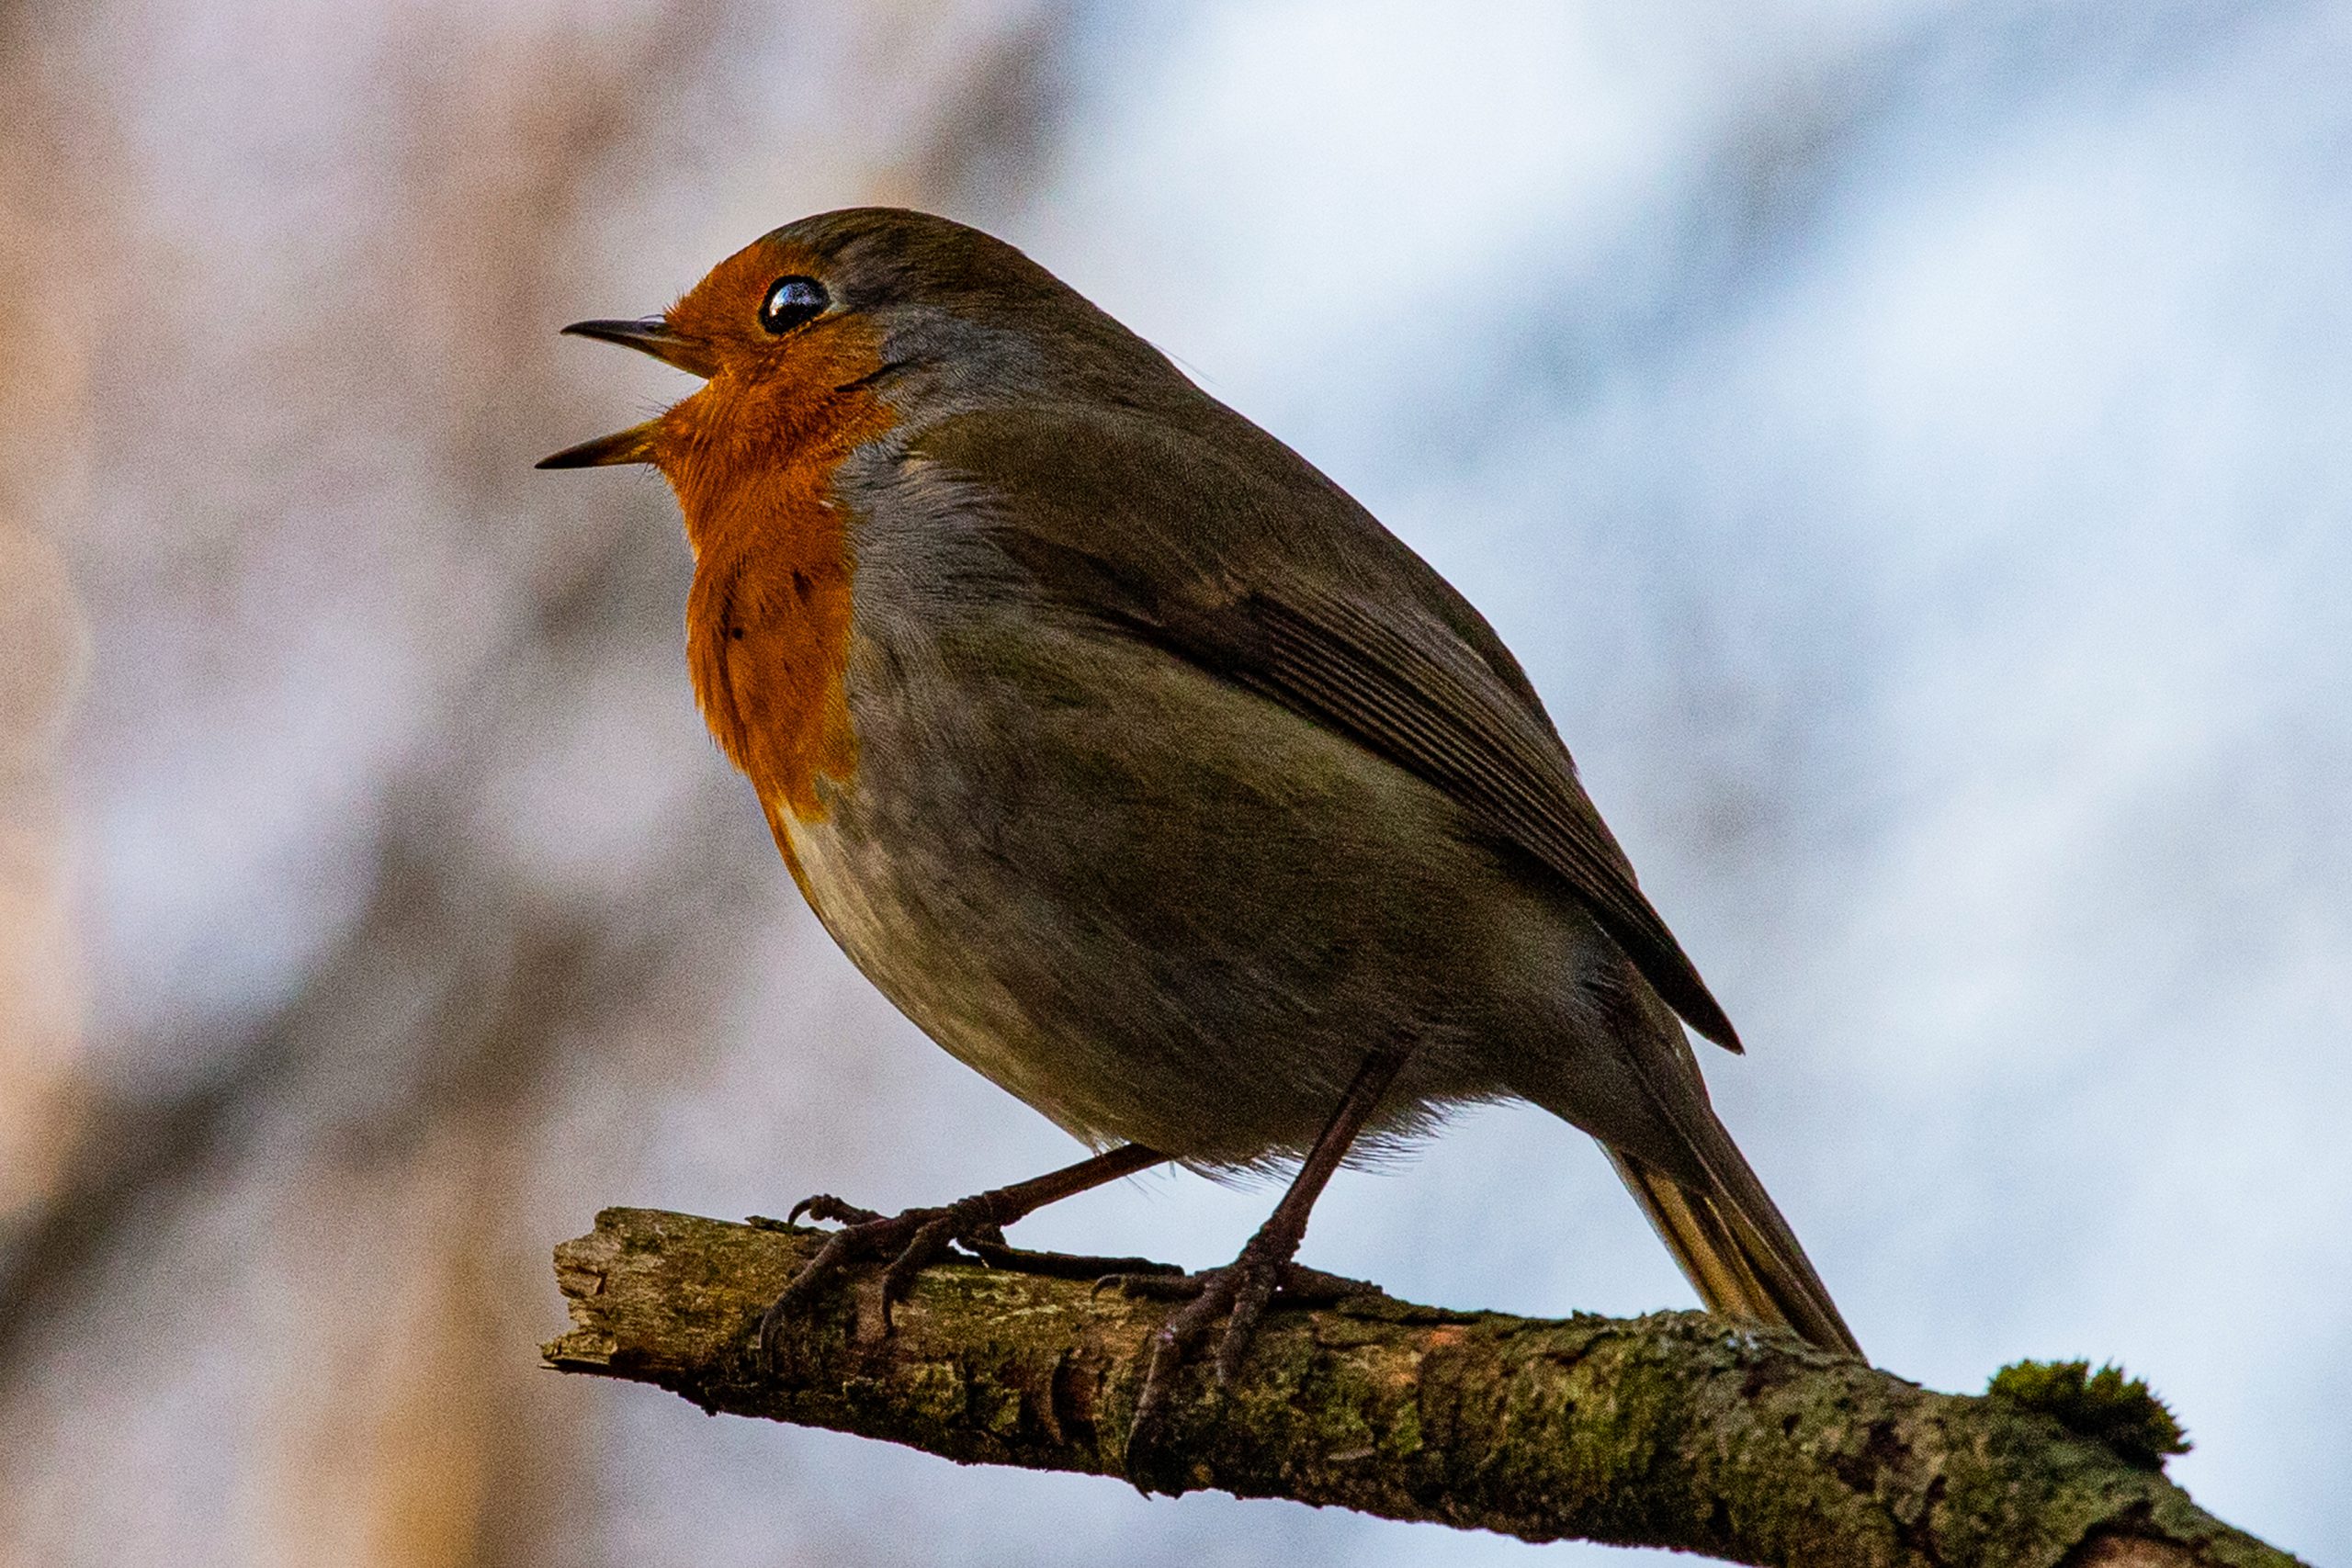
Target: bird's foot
column 1239, row 1294
column 912, row 1241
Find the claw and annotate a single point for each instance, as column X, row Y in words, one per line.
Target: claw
column 825, row 1206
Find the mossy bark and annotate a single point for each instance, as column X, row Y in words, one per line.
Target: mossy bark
column 1677, row 1429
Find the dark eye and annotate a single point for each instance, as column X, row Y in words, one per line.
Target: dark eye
column 790, row 302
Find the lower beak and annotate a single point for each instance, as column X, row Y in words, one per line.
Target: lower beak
column 651, row 336
column 634, row 445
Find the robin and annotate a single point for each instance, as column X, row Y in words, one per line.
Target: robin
column 1148, row 773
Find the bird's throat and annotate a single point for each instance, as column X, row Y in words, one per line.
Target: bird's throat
column 769, row 617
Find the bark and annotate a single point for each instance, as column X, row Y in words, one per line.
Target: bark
column 1677, row 1429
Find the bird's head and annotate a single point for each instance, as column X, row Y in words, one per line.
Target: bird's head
column 804, row 333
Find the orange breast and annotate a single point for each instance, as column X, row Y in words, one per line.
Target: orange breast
column 768, row 620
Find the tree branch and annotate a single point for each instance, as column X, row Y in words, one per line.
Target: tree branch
column 1676, row 1430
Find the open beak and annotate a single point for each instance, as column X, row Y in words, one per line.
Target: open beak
column 652, row 335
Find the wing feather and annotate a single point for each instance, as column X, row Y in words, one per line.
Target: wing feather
column 1230, row 551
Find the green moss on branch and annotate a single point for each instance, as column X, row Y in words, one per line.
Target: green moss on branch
column 1676, row 1430
column 2118, row 1411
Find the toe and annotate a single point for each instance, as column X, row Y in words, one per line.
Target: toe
column 1255, row 1289
column 1107, row 1273
column 927, row 1245
column 1302, row 1286
column 1162, row 1283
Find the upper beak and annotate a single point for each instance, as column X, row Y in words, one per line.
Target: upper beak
column 650, row 335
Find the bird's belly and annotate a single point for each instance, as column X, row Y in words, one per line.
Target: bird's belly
column 1160, row 908
column 904, row 916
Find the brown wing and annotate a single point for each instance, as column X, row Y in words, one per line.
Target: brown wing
column 1212, row 539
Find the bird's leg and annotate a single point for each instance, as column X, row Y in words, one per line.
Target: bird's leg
column 1239, row 1292
column 919, row 1237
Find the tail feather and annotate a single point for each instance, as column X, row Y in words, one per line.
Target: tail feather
column 1734, row 1247
column 1712, row 1212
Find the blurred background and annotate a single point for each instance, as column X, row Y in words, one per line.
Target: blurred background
column 1908, row 444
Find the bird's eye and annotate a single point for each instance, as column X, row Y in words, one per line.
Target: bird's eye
column 790, row 302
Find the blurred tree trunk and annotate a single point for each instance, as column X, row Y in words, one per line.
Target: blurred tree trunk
column 43, row 641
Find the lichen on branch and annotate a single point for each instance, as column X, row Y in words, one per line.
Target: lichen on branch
column 1677, row 1429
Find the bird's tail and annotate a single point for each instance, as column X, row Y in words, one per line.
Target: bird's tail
column 1734, row 1246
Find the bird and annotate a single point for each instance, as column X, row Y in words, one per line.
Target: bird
column 1149, row 774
